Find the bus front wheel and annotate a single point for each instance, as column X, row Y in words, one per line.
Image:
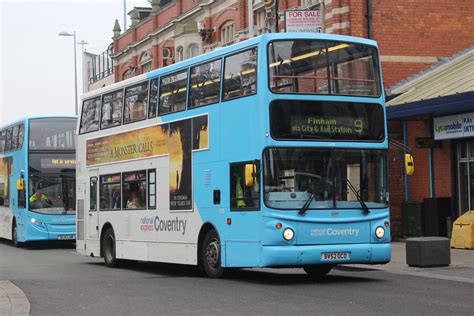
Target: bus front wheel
column 108, row 246
column 15, row 241
column 317, row 270
column 211, row 255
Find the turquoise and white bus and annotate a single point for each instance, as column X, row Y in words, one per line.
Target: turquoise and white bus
column 37, row 179
column 271, row 152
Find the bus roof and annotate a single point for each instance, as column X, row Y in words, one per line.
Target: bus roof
column 265, row 38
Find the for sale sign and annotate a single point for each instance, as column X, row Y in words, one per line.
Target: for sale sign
column 303, row 21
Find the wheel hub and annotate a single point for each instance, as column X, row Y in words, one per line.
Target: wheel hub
column 212, row 253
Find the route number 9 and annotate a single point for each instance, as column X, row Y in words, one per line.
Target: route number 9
column 359, row 125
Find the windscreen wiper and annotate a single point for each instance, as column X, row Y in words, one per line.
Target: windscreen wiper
column 306, row 205
column 362, row 203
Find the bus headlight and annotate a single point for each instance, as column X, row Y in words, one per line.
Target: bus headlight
column 288, row 234
column 379, row 232
column 37, row 222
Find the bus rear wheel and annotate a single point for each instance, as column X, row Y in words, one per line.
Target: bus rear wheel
column 15, row 241
column 108, row 246
column 211, row 255
column 317, row 270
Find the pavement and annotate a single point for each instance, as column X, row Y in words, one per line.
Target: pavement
column 461, row 268
column 14, row 302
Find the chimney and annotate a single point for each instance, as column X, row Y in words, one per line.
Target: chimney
column 134, row 16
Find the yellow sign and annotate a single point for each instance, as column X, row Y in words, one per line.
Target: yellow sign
column 141, row 143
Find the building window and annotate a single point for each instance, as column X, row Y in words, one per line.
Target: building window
column 310, row 4
column 193, row 50
column 260, row 17
column 227, row 33
column 129, row 73
column 146, row 67
column 179, row 54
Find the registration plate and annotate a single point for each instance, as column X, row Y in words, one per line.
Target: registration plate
column 335, row 256
column 66, row 237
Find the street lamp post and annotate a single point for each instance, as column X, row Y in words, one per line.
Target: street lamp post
column 64, row 33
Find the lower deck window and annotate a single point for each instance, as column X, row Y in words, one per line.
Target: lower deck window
column 134, row 190
column 244, row 186
column 110, row 192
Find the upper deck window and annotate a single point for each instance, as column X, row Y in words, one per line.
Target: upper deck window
column 90, row 115
column 322, row 67
column 136, row 103
column 152, row 107
column 8, row 142
column 52, row 133
column 112, row 105
column 205, row 84
column 15, row 137
column 173, row 92
column 3, row 138
column 21, row 135
column 240, row 74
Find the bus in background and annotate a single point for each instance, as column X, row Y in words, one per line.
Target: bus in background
column 271, row 152
column 37, row 179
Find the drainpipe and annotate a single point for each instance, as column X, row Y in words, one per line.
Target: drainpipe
column 431, row 163
column 250, row 14
column 369, row 19
column 405, row 176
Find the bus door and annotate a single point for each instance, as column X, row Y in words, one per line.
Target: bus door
column 93, row 211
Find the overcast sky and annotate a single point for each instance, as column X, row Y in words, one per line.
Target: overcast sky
column 37, row 65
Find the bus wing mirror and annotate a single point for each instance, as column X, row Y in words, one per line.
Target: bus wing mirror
column 409, row 165
column 20, row 184
column 250, row 174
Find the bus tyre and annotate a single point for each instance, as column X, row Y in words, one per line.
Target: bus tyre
column 211, row 255
column 108, row 246
column 317, row 270
column 15, row 241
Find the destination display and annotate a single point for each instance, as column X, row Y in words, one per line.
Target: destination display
column 296, row 120
column 48, row 163
column 315, row 125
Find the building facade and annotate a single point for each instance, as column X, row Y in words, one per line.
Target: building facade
column 412, row 36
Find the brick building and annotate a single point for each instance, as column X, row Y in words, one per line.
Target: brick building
column 412, row 35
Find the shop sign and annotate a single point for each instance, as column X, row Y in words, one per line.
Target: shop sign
column 454, row 126
column 303, row 21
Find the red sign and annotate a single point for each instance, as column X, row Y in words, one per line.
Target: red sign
column 303, row 21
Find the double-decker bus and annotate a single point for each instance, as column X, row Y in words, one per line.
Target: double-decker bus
column 38, row 180
column 270, row 152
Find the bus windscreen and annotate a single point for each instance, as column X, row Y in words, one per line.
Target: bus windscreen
column 312, row 120
column 52, row 133
column 52, row 184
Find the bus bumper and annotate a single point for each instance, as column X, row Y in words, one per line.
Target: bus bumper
column 52, row 232
column 311, row 254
